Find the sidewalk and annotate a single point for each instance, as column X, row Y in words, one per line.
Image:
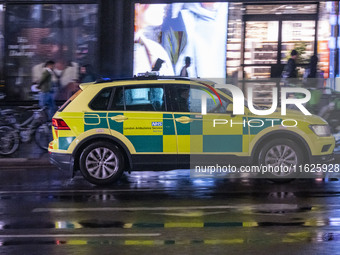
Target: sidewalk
column 28, row 155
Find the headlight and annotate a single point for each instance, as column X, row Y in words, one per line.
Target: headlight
column 321, row 130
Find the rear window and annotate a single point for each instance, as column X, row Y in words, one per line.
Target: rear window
column 69, row 100
column 101, row 100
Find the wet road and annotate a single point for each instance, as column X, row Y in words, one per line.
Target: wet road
column 43, row 211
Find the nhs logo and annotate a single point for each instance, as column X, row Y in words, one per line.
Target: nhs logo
column 157, row 124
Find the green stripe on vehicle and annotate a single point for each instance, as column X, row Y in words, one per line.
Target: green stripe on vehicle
column 64, row 142
column 147, row 143
column 222, row 143
column 114, row 125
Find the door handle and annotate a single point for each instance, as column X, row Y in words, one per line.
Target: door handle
column 184, row 120
column 119, row 118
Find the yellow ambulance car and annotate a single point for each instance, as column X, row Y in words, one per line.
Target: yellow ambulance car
column 156, row 123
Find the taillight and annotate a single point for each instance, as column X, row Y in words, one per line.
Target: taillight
column 59, row 124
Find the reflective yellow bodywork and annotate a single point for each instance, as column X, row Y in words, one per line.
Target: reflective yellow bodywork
column 137, row 130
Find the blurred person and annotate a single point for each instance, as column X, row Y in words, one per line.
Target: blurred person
column 312, row 67
column 46, row 98
column 65, row 73
column 184, row 71
column 87, row 74
column 289, row 74
column 147, row 51
column 313, row 78
column 290, row 70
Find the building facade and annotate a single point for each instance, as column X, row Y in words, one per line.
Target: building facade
column 235, row 39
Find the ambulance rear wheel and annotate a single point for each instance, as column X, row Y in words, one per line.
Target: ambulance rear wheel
column 101, row 163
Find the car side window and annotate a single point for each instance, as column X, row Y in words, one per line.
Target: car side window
column 118, row 100
column 189, row 99
column 101, row 100
column 141, row 98
column 213, row 102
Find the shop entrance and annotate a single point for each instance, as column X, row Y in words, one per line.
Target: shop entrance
column 268, row 38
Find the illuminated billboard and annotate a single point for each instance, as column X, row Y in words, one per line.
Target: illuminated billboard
column 187, row 39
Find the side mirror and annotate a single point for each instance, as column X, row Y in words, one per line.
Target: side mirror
column 229, row 110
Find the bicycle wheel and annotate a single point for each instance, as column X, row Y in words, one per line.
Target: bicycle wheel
column 43, row 135
column 9, row 140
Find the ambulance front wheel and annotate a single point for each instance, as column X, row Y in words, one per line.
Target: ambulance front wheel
column 281, row 157
column 101, row 163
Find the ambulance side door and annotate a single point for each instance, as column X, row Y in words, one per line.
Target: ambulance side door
column 139, row 114
column 215, row 135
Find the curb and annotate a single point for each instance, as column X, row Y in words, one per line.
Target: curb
column 24, row 162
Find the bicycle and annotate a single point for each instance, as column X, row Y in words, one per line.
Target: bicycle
column 9, row 139
column 36, row 124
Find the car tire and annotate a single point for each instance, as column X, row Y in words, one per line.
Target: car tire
column 281, row 152
column 101, row 163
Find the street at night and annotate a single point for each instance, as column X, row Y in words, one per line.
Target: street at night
column 44, row 211
column 169, row 127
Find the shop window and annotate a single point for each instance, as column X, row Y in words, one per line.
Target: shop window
column 65, row 33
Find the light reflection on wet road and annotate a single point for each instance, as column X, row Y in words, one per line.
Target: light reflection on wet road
column 43, row 211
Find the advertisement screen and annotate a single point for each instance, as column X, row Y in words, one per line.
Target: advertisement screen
column 182, row 39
